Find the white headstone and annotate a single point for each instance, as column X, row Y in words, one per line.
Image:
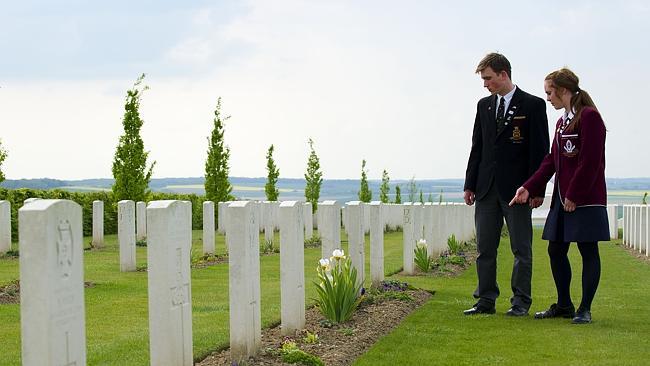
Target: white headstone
column 418, row 221
column 429, row 228
column 208, row 227
column 52, row 313
column 292, row 268
column 356, row 238
column 376, row 242
column 244, row 281
column 5, row 226
column 329, row 227
column 267, row 209
column 126, row 234
column 309, row 220
column 221, row 217
column 408, row 231
column 30, row 200
column 613, row 222
column 98, row 224
column 169, row 241
column 141, row 221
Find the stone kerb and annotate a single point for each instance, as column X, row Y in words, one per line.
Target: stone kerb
column 356, row 237
column 141, row 221
column 98, row 224
column 169, row 238
column 292, row 269
column 408, row 231
column 244, row 281
column 52, row 310
column 329, row 227
column 613, row 221
column 376, row 213
column 5, row 226
column 208, row 227
column 308, row 220
column 126, row 234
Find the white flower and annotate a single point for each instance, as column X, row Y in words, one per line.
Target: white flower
column 338, row 254
column 422, row 243
column 324, row 264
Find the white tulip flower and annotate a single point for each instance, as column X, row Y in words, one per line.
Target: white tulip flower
column 422, row 243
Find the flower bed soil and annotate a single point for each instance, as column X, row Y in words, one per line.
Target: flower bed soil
column 337, row 345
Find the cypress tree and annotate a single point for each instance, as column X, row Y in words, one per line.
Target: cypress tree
column 272, row 192
column 384, row 189
column 3, row 156
column 130, row 162
column 217, row 185
column 398, row 194
column 314, row 178
column 365, row 195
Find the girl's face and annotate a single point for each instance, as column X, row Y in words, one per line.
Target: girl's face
column 553, row 95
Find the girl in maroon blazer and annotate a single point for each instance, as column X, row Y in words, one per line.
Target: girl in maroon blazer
column 579, row 205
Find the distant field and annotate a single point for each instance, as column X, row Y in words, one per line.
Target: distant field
column 234, row 188
column 83, row 188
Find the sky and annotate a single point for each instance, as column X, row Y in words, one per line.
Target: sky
column 389, row 82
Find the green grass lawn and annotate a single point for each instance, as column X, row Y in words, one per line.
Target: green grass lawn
column 437, row 333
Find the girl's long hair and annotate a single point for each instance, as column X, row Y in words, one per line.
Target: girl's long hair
column 568, row 80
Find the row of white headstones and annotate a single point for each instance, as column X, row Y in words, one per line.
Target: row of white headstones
column 52, row 285
column 636, row 230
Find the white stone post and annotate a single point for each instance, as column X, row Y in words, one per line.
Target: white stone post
column 408, row 232
column 635, row 228
column 356, row 238
column 292, row 268
column 98, row 224
column 169, row 240
column 52, row 312
column 244, row 281
column 308, row 220
column 126, row 234
column 5, row 226
column 376, row 242
column 208, row 227
column 140, row 221
column 329, row 227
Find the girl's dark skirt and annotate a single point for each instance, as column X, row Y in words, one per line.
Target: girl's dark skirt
column 585, row 224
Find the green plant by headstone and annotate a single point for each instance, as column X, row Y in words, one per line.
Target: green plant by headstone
column 338, row 291
column 421, row 197
column 313, row 178
column 398, row 194
column 421, row 258
column 644, row 201
column 273, row 172
column 365, row 195
column 454, row 245
column 430, row 197
column 217, row 185
column 3, row 156
column 130, row 161
column 384, row 189
column 440, row 197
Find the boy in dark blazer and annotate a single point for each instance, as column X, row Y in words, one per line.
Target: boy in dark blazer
column 509, row 141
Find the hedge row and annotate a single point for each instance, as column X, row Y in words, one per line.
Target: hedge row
column 85, row 200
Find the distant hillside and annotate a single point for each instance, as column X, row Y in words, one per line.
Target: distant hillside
column 293, row 189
